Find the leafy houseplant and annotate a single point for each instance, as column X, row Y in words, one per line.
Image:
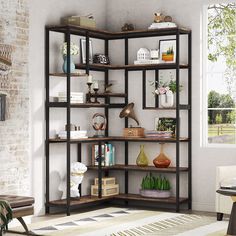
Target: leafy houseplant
column 158, row 187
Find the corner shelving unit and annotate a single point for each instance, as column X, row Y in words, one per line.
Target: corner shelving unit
column 69, row 203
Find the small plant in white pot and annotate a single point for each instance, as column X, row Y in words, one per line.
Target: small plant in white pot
column 155, row 187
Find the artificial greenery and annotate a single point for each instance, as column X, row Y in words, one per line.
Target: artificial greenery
column 155, row 183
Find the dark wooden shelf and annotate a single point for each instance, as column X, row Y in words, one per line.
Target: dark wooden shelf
column 93, row 199
column 80, row 201
column 77, row 105
column 181, row 107
column 137, row 197
column 137, row 168
column 119, row 138
column 65, row 75
column 104, row 34
column 104, row 95
column 101, row 67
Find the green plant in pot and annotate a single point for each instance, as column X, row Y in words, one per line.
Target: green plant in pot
column 155, row 187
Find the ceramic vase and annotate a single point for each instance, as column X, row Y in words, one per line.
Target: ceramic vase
column 72, row 64
column 166, row 100
column 161, row 161
column 142, row 159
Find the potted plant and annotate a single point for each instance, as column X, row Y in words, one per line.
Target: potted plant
column 165, row 92
column 155, row 187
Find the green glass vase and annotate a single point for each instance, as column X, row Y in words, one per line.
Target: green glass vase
column 142, row 159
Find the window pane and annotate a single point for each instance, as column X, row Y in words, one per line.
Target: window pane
column 221, row 73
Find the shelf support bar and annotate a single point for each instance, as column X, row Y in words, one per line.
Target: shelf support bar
column 144, row 89
column 100, row 170
column 107, row 99
column 177, row 125
column 47, row 34
column 68, row 37
column 190, row 120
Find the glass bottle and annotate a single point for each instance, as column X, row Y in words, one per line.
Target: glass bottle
column 161, row 161
column 142, row 159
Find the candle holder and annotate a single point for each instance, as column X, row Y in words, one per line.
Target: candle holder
column 88, row 97
column 96, row 95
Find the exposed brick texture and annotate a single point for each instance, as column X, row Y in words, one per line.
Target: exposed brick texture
column 14, row 132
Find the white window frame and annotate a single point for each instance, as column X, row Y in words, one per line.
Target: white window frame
column 204, row 94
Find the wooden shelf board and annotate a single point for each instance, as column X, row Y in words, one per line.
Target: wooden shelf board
column 181, row 107
column 119, row 138
column 80, row 201
column 58, row 74
column 77, row 105
column 103, row 95
column 93, row 199
column 137, row 168
column 137, row 197
column 101, row 67
column 104, row 34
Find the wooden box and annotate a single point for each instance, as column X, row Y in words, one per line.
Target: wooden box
column 106, row 181
column 107, row 190
column 79, row 21
column 133, row 132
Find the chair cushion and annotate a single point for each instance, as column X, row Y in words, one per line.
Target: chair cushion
column 17, row 201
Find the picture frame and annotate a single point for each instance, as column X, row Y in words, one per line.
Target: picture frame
column 167, row 50
column 166, row 124
column 83, row 51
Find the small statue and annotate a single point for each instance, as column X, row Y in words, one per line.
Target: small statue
column 76, row 176
column 127, row 27
column 158, row 17
column 108, row 88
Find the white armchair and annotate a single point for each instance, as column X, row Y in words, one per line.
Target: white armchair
column 223, row 203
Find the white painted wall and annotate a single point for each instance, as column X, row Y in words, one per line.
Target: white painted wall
column 44, row 13
column 114, row 14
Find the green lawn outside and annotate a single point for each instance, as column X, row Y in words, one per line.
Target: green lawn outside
column 223, row 132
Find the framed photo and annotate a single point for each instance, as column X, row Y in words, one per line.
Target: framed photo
column 83, row 51
column 165, row 124
column 167, row 50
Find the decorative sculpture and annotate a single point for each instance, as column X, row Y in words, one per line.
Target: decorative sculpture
column 77, row 171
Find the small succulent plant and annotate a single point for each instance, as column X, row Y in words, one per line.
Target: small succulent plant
column 155, row 183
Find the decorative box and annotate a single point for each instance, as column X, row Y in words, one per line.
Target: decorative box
column 101, row 59
column 79, row 21
column 107, row 190
column 106, row 181
column 133, row 132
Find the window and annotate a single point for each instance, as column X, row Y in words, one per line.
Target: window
column 220, row 75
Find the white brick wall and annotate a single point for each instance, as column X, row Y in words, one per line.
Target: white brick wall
column 14, row 132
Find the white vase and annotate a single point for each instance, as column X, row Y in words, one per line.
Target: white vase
column 166, row 100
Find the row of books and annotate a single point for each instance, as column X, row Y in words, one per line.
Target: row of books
column 75, row 97
column 107, row 157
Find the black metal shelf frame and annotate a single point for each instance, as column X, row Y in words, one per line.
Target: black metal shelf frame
column 106, row 36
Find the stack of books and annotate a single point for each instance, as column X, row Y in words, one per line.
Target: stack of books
column 162, row 25
column 108, row 155
column 75, row 97
column 73, row 134
column 158, row 134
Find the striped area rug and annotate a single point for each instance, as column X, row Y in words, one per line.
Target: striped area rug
column 130, row 222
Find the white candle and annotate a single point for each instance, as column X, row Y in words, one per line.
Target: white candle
column 90, row 79
column 95, row 85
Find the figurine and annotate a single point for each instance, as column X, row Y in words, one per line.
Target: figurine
column 158, row 17
column 127, row 27
column 76, row 176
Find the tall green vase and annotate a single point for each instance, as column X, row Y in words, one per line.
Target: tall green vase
column 142, row 159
